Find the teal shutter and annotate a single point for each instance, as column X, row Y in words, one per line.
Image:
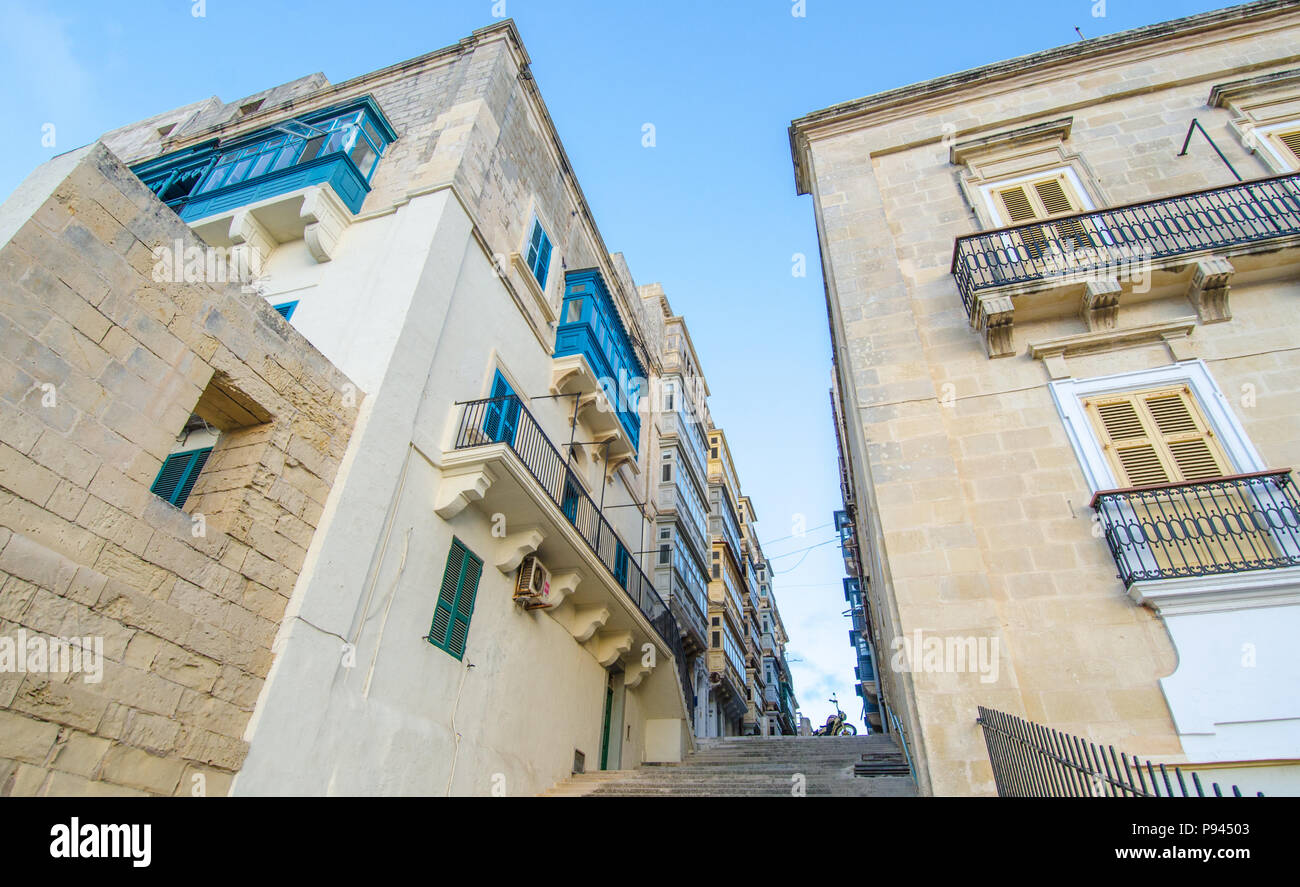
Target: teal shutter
column 502, row 414
column 543, row 260
column 569, row 505
column 535, row 244
column 464, row 606
column 286, row 310
column 539, row 253
column 455, row 607
column 176, row 478
column 620, row 564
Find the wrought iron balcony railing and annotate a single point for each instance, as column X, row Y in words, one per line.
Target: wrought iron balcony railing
column 1226, row 525
column 506, row 420
column 1122, row 237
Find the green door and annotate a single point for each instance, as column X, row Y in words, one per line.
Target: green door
column 604, row 730
column 611, row 733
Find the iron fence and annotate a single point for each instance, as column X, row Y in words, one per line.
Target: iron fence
column 1033, row 761
column 507, row 420
column 1122, row 237
column 1225, row 525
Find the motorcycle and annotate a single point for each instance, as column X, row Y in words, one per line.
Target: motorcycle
column 837, row 724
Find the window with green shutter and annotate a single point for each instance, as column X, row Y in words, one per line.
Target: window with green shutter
column 178, row 475
column 451, row 617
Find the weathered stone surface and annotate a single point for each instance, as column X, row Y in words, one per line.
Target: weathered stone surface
column 186, row 618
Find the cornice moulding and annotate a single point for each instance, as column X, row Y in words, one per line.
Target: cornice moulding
column 1224, row 93
column 1052, row 130
column 1105, row 340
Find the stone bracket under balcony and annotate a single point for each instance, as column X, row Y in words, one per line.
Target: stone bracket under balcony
column 314, row 214
column 491, row 481
column 609, row 647
column 1208, row 289
column 1099, row 304
column 573, row 375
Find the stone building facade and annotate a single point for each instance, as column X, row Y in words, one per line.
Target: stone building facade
column 103, row 365
column 445, row 583
column 1065, row 358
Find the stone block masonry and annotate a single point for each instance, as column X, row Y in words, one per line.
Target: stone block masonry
column 100, row 367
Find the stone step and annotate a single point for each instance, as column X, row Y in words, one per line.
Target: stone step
column 766, row 766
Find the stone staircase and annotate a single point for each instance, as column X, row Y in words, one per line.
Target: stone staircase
column 742, row 766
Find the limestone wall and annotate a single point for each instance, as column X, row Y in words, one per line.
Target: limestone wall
column 101, row 364
column 975, row 504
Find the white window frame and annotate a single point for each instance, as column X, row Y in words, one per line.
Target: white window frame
column 1069, row 395
column 1262, row 138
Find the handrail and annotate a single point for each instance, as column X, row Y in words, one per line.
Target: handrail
column 507, row 420
column 1188, row 483
column 1209, row 527
column 1200, row 221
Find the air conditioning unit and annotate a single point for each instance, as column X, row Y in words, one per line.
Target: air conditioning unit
column 533, row 584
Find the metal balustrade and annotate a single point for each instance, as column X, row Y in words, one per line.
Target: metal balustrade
column 1203, row 528
column 506, row 420
column 1117, row 240
column 1033, row 761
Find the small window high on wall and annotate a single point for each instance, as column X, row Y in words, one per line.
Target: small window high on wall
column 178, row 474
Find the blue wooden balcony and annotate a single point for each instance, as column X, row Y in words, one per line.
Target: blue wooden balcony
column 591, row 326
column 340, row 146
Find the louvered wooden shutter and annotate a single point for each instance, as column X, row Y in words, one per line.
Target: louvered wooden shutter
column 1019, row 210
column 1157, row 437
column 1017, row 206
column 464, row 606
column 1043, row 200
column 178, row 475
column 1291, row 140
column 501, row 416
column 1055, row 201
column 455, row 607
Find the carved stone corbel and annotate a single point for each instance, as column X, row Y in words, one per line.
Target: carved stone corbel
column 562, row 586
column 327, row 219
column 457, row 492
column 609, row 646
column 994, row 317
column 512, row 550
column 634, row 674
column 253, row 244
column 1100, row 309
column 1208, row 291
column 580, row 621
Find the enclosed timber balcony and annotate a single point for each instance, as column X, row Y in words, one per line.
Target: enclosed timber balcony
column 503, row 462
column 690, row 604
column 596, row 362
column 727, row 673
column 1219, row 527
column 301, row 178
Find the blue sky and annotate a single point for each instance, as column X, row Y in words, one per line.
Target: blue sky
column 709, row 211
